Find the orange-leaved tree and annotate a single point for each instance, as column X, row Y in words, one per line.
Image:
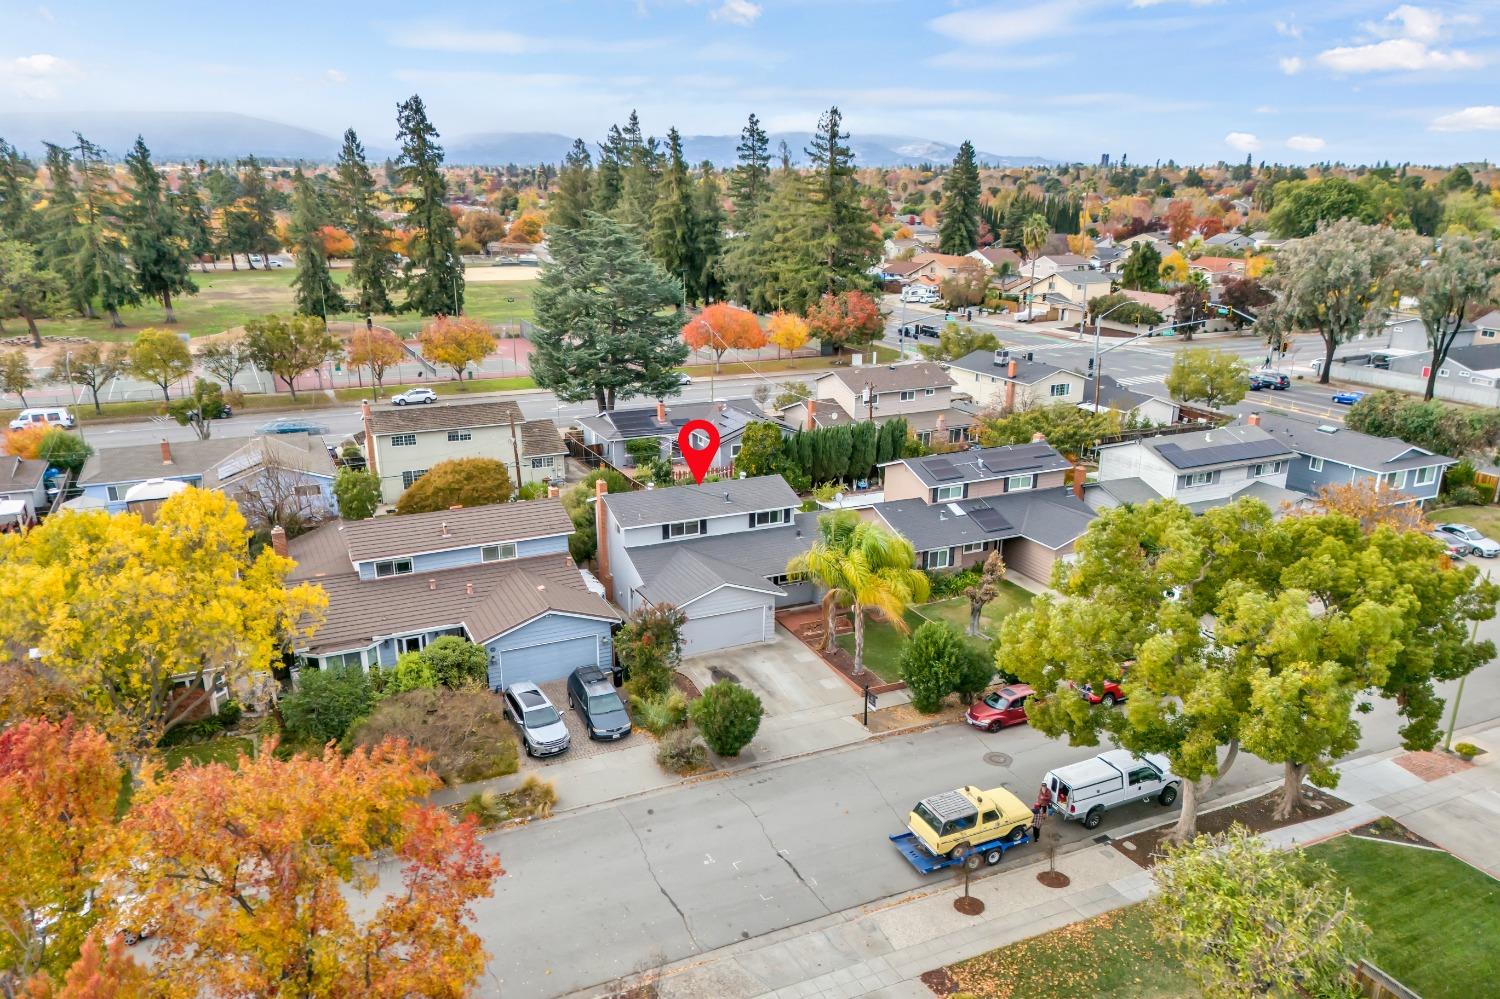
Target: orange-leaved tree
column 1373, row 505
column 526, row 229
column 267, row 878
column 376, row 349
column 722, row 327
column 454, row 341
column 26, row 442
column 787, row 331
column 848, row 319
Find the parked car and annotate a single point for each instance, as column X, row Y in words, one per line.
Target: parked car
column 1006, row 706
column 57, row 416
column 272, row 263
column 591, row 692
column 684, row 380
column 1109, row 695
column 290, row 426
column 1269, row 380
column 949, row 824
column 1347, row 398
column 414, row 397
column 543, row 732
column 1456, row 548
column 1478, row 543
column 1085, row 791
column 222, row 411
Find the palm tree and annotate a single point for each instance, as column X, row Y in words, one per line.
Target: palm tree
column 824, row 564
column 1034, row 233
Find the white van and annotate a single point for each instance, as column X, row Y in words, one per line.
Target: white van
column 921, row 294
column 1085, row 791
column 57, row 416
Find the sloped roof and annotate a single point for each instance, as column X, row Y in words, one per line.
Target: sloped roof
column 686, row 575
column 739, row 559
column 1050, row 517
column 1216, row 448
column 445, row 530
column 444, row 416
column 20, row 474
column 892, row 377
column 733, row 497
column 539, row 437
column 730, row 417
column 990, row 362
column 1349, row 447
column 981, row 464
column 290, row 452
column 135, row 462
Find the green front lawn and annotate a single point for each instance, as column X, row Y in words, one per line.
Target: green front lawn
column 1434, row 919
column 225, row 749
column 883, row 643
column 955, row 610
column 1485, row 518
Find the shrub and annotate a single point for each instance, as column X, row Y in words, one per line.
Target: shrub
column 1466, row 749
column 229, row 714
column 326, row 703
column 931, row 662
column 532, row 491
column 976, row 671
column 535, row 798
column 464, row 731
column 457, row 482
column 660, row 713
column 412, row 672
column 650, row 647
column 1465, row 496
column 1459, row 476
column 682, row 753
column 456, row 662
column 728, row 715
column 951, row 584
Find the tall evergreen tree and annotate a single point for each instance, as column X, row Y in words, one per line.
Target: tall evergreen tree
column 772, row 266
column 101, row 262
column 611, row 176
column 708, row 221
column 575, row 193
column 844, row 242
column 433, row 273
column 672, row 229
column 1015, row 217
column 17, row 220
column 153, row 230
column 608, row 318
column 192, row 217
column 61, row 234
column 642, row 169
column 959, row 231
column 750, row 184
column 373, row 269
column 316, row 294
column 252, row 219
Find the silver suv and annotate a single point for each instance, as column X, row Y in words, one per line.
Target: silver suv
column 543, row 732
column 414, row 397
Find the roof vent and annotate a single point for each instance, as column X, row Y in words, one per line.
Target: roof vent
column 726, row 497
column 431, row 583
column 469, row 589
column 445, row 530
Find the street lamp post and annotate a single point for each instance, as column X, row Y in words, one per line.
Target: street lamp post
column 1098, row 319
column 1459, row 696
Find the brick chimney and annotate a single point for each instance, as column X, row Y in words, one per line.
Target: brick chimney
column 1253, row 419
column 278, row 540
column 661, row 411
column 812, row 414
column 553, row 492
column 364, row 416
column 166, row 452
column 1010, row 368
column 601, row 528
column 1038, row 438
column 1078, row 477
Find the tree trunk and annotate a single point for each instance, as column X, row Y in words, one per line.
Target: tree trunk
column 166, row 304
column 975, row 609
column 164, row 393
column 599, row 396
column 859, row 638
column 1187, row 821
column 1431, row 380
column 94, row 391
column 1291, row 789
column 115, row 320
column 36, row 334
column 88, row 311
column 291, row 384
column 233, row 264
column 830, row 621
column 1329, row 344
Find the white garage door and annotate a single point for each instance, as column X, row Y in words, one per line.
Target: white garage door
column 723, row 631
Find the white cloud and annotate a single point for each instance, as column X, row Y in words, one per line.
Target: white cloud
column 41, row 64
column 36, row 77
column 438, row 38
column 1305, row 143
column 1266, row 109
column 737, row 12
column 335, row 76
column 1290, row 65
column 1406, row 21
column 1158, row 3
column 1003, row 25
column 1480, row 118
column 1242, row 141
column 1289, row 29
column 1395, row 54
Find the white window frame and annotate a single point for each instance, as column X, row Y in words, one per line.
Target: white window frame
column 946, row 493
column 947, row 556
column 394, row 567
column 455, row 436
column 698, row 440
column 684, row 529
column 1193, row 479
column 1425, row 476
column 116, row 493
column 1261, row 469
column 977, row 546
column 929, row 393
column 1059, row 390
column 498, row 553
column 767, row 518
column 908, row 395
column 410, row 477
column 403, row 440
column 1315, row 464
column 540, row 462
column 1020, row 483
column 410, row 643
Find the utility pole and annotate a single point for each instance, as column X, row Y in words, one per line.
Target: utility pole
column 515, row 447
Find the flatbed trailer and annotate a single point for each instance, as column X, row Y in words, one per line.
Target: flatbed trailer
column 989, row 852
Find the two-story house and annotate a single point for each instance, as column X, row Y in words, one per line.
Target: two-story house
column 957, row 508
column 497, row 575
column 1202, row 470
column 920, row 392
column 1067, row 292
column 1130, row 404
column 716, row 551
column 1012, row 380
column 608, row 433
column 1332, row 454
column 402, row 443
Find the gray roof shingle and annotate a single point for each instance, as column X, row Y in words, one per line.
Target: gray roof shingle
column 729, row 417
column 997, row 363
column 1348, row 447
column 1221, row 446
column 740, row 559
column 980, row 464
column 444, row 416
column 446, row 530
column 734, row 497
column 137, row 462
column 1050, row 517
column 20, row 474
column 893, row 377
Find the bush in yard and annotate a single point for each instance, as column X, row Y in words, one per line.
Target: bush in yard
column 456, row 662
column 1466, row 749
column 584, row 540
column 650, row 647
column 412, row 672
column 976, row 671
column 945, row 584
column 930, row 664
column 1465, row 496
column 682, row 752
column 728, row 715
column 357, row 493
column 464, row 730
column 659, row 714
column 325, row 704
column 535, row 798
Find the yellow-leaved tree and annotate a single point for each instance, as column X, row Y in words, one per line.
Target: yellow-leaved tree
column 787, row 331
column 1174, row 269
column 108, row 614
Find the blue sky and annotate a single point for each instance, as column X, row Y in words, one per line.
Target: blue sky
column 1194, row 80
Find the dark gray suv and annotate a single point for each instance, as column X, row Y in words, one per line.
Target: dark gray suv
column 592, row 694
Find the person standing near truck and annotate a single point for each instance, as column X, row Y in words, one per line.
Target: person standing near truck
column 1039, row 812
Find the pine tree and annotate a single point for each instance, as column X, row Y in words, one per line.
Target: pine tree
column 374, row 266
column 959, row 232
column 611, row 177
column 672, row 228
column 192, row 218
column 642, row 167
column 60, row 234
column 101, row 263
column 708, row 220
column 1015, row 217
column 772, row 265
column 843, row 242
column 315, row 292
column 158, row 248
column 433, row 274
column 252, row 219
column 750, row 183
column 574, row 189
column 17, row 219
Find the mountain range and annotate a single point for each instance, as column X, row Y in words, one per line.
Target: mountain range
column 187, row 136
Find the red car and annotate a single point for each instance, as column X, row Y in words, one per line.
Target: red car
column 1006, row 706
column 1111, row 696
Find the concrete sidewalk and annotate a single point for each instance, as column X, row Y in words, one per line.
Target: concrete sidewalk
column 881, row 950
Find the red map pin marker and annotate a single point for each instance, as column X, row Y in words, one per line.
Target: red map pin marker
column 699, row 459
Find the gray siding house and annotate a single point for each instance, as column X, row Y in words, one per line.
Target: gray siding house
column 609, row 432
column 1201, row 470
column 1330, row 454
column 497, row 575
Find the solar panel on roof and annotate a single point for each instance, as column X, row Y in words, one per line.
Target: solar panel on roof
column 1219, row 453
column 635, row 423
column 942, row 469
column 239, row 463
column 989, row 519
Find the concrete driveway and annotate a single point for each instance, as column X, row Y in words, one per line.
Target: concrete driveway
column 783, row 673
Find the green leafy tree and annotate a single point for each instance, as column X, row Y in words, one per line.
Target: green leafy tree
column 650, row 648
column 326, row 704
column 842, row 241
column 315, row 292
column 192, row 219
column 372, row 272
column 1249, row 921
column 94, row 365
column 608, row 316
column 64, row 450
column 291, row 347
column 575, row 195
column 433, row 274
column 457, row 482
column 760, row 450
column 930, row 664
column 17, row 193
column 1302, row 206
column 1461, row 274
column 1069, row 429
column 643, row 450
column 154, row 232
column 584, row 541
column 1142, row 269
column 610, row 178
column 357, row 493
column 772, row 266
column 750, row 181
column 457, row 662
column 160, row 357
column 728, row 715
column 955, row 341
column 958, row 232
column 412, row 672
column 1123, row 309
column 28, row 288
column 199, row 407
column 15, row 374
column 251, row 220
column 976, row 671
column 1214, row 377
column 642, row 171
column 985, row 589
column 1438, row 427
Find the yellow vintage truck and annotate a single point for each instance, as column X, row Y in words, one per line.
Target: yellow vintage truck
column 964, row 823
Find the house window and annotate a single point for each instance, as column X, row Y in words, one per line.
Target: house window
column 1015, row 482
column 1391, row 479
column 460, row 435
column 343, row 660
column 1263, row 468
column 782, row 579
column 403, row 440
column 909, row 395
column 940, row 558
column 929, row 393
column 1425, row 476
column 875, row 400
column 698, row 440
column 411, row 476
column 1315, row 464
column 392, row 567
column 976, row 547
column 734, row 451
column 765, row 517
column 925, row 437
column 944, row 493
column 1060, row 389
column 685, row 529
column 116, row 493
column 309, row 491
column 411, row 643
column 1442, row 372
column 541, row 462
column 955, row 434
column 497, row 553
column 1198, row 479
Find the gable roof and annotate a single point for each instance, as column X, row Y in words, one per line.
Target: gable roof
column 892, row 377
column 997, row 255
column 1112, row 395
column 444, row 416
column 997, row 363
column 302, row 453
column 1065, row 259
column 137, row 462
column 734, row 497
column 900, row 268
column 730, row 417
column 1217, row 265
column 1084, row 277
column 1349, row 447
column 1489, row 321
column 1481, row 357
column 446, row 530
column 1158, row 300
column 1050, row 517
column 1222, row 446
column 941, row 259
column 984, row 464
column 20, row 474
column 540, row 437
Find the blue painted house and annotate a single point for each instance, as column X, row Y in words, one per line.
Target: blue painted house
column 498, row 575
column 1332, row 454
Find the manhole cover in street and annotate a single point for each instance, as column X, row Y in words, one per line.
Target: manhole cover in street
column 998, row 759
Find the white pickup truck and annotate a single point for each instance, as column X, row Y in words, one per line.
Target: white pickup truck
column 1085, row 791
